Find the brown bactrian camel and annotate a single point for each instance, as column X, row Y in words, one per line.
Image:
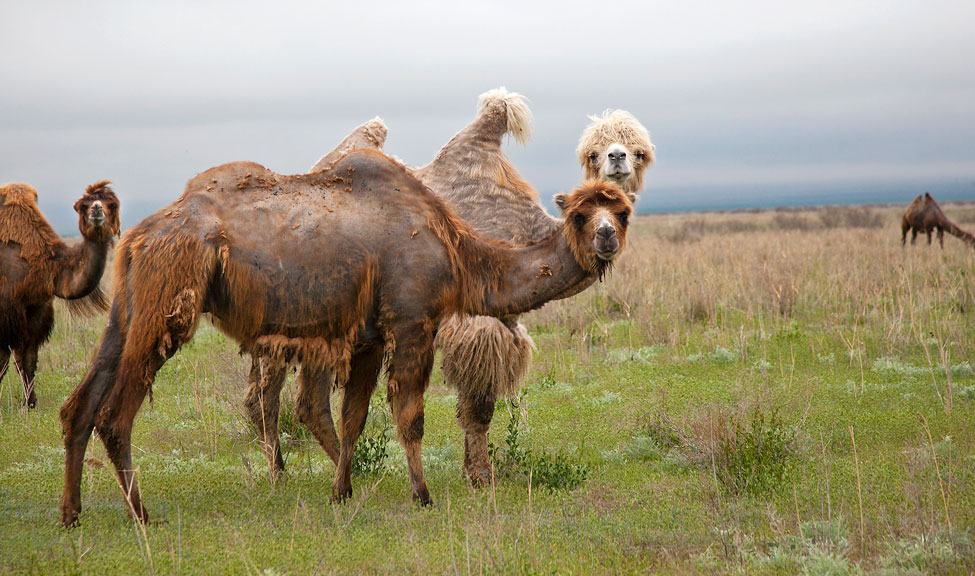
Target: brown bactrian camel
column 924, row 215
column 36, row 266
column 267, row 378
column 335, row 269
column 483, row 357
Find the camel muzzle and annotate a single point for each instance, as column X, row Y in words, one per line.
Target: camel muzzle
column 606, row 243
column 97, row 214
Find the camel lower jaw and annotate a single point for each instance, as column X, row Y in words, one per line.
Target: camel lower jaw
column 607, row 256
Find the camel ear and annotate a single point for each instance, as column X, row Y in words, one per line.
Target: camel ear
column 77, row 206
column 560, row 201
column 633, row 197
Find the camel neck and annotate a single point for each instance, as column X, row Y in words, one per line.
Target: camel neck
column 516, row 280
column 82, row 269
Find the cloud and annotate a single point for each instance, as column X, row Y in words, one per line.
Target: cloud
column 149, row 94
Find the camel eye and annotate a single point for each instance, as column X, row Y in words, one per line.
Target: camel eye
column 624, row 217
column 579, row 220
column 640, row 156
column 112, row 205
column 592, row 156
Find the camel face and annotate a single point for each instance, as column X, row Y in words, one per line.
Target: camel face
column 98, row 212
column 597, row 216
column 615, row 147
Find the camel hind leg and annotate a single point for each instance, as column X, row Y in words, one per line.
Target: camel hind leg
column 153, row 337
column 263, row 406
column 314, row 408
column 363, row 375
column 409, row 375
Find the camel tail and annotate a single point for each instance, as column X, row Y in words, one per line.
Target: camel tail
column 519, row 119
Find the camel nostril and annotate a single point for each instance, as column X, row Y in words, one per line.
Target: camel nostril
column 606, row 231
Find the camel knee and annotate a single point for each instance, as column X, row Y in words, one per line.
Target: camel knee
column 181, row 320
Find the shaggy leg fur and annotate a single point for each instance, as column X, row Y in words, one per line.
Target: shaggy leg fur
column 484, row 359
column 263, row 403
column 409, row 374
column 78, row 415
column 355, row 406
column 913, row 236
column 315, row 410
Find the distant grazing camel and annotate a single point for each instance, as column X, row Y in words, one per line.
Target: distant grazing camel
column 36, row 266
column 924, row 215
column 485, row 358
column 336, row 269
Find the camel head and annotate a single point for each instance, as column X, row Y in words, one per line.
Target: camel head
column 597, row 215
column 98, row 213
column 617, row 148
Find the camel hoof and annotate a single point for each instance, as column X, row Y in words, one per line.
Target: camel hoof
column 341, row 495
column 423, row 498
column 70, row 520
column 479, row 478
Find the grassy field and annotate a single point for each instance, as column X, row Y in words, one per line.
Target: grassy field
column 754, row 393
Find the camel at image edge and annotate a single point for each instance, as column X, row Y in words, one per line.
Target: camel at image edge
column 484, row 358
column 924, row 215
column 334, row 270
column 36, row 266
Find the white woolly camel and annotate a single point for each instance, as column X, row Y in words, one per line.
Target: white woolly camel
column 484, row 358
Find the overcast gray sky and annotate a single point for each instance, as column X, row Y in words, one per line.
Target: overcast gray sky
column 755, row 94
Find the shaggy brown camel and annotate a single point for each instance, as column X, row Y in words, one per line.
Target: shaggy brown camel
column 924, row 215
column 333, row 269
column 483, row 357
column 36, row 266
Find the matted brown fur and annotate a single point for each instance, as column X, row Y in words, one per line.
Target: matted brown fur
column 36, row 266
column 385, row 264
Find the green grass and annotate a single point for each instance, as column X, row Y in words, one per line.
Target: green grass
column 659, row 422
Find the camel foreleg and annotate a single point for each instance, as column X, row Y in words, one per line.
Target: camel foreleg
column 153, row 337
column 78, row 414
column 484, row 359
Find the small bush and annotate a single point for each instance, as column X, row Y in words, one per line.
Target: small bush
column 371, row 449
column 754, row 457
column 552, row 471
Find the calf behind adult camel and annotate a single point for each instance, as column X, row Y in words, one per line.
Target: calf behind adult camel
column 335, row 269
